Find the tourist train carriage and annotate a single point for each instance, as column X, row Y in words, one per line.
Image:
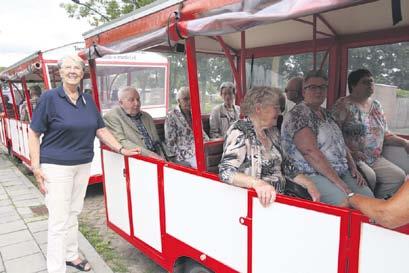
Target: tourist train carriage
column 187, row 221
column 41, row 69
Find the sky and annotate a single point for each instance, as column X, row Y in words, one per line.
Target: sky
column 27, row 26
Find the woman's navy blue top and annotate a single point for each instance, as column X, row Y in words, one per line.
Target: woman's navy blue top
column 68, row 130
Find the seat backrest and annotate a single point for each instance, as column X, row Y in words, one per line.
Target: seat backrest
column 213, row 153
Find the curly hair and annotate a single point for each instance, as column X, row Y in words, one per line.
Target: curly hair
column 263, row 95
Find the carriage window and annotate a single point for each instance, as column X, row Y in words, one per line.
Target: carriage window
column 276, row 71
column 145, row 70
column 213, row 70
column 389, row 66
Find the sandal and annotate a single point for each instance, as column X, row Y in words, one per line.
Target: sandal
column 80, row 266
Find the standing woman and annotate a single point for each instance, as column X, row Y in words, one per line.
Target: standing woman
column 69, row 121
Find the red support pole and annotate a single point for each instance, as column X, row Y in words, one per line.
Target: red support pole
column 94, row 82
column 16, row 113
column 195, row 102
column 44, row 72
column 314, row 41
column 243, row 65
column 233, row 67
column 3, row 101
column 27, row 95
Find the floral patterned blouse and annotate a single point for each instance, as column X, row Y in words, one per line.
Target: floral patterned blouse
column 244, row 153
column 362, row 131
column 328, row 135
column 179, row 136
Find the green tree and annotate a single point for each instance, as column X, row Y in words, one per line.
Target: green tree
column 112, row 9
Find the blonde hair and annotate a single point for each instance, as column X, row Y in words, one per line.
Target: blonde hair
column 263, row 95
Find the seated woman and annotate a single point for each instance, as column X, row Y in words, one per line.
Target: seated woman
column 178, row 130
column 252, row 157
column 365, row 130
column 223, row 115
column 314, row 143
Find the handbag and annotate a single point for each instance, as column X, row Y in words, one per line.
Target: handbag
column 295, row 190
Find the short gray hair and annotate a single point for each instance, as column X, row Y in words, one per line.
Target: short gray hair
column 182, row 91
column 315, row 74
column 227, row 85
column 124, row 90
column 263, row 95
column 75, row 58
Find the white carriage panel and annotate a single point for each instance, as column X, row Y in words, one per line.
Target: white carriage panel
column 115, row 190
column 24, row 147
column 96, row 165
column 8, row 127
column 205, row 215
column 383, row 250
column 14, row 134
column 145, row 202
column 158, row 112
column 20, row 138
column 288, row 239
column 2, row 132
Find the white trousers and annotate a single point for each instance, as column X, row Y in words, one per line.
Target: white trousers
column 66, row 186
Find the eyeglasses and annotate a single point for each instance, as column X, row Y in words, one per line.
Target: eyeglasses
column 313, row 87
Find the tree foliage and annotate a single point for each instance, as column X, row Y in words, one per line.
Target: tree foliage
column 111, row 9
column 388, row 63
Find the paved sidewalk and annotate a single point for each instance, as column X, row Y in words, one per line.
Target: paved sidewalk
column 23, row 226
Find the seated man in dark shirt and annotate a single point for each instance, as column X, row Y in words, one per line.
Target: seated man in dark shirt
column 131, row 126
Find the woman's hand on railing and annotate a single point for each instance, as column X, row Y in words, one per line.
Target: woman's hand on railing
column 129, row 152
column 266, row 193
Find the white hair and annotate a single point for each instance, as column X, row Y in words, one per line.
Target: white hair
column 182, row 91
column 75, row 58
column 124, row 90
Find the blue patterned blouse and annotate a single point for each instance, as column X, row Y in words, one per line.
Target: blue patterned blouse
column 328, row 135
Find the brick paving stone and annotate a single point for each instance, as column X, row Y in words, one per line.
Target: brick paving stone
column 19, row 250
column 24, row 211
column 19, row 192
column 6, row 209
column 5, row 202
column 24, row 197
column 27, row 264
column 28, row 203
column 37, row 226
column 9, row 217
column 10, row 181
column 40, row 237
column 15, row 237
column 12, row 226
column 29, row 218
